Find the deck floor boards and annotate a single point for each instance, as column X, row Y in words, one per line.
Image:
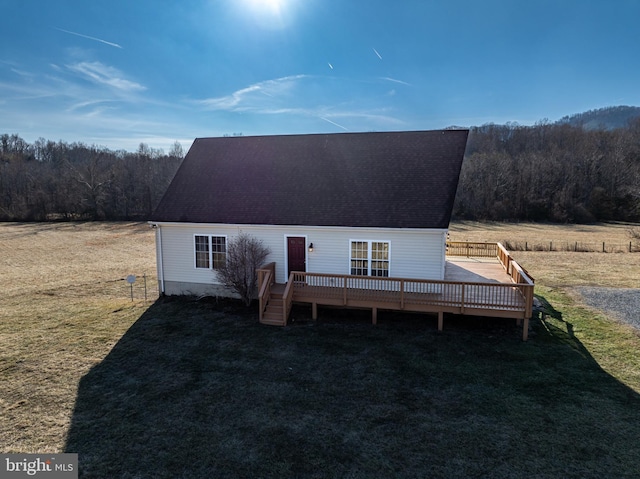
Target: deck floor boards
column 475, row 270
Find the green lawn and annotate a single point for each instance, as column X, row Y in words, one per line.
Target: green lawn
column 198, row 389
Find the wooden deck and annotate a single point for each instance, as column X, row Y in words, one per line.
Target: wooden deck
column 482, row 285
column 475, row 270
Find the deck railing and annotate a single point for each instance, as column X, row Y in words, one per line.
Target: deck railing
column 287, row 299
column 520, row 276
column 265, row 293
column 266, row 277
column 471, row 249
column 409, row 294
column 504, row 257
column 262, row 271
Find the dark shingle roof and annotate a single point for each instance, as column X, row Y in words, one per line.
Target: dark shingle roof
column 395, row 179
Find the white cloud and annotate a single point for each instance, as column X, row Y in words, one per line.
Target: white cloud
column 337, row 101
column 245, row 98
column 232, row 101
column 89, row 103
column 376, row 117
column 25, row 91
column 23, row 74
column 105, row 75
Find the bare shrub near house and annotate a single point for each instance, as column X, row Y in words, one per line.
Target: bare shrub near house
column 245, row 254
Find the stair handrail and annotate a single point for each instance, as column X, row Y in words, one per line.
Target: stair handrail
column 287, row 299
column 265, row 292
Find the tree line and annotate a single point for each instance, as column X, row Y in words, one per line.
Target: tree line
column 545, row 172
column 60, row 181
column 550, row 172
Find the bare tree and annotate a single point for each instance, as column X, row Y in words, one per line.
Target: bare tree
column 245, row 254
column 176, row 150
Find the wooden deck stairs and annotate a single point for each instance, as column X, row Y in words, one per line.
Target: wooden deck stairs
column 274, row 312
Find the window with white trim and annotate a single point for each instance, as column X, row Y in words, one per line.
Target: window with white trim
column 369, row 258
column 210, row 251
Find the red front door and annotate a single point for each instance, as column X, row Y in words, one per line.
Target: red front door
column 296, row 254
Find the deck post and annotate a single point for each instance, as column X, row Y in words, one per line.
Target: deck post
column 440, row 320
column 344, row 297
column 525, row 329
column 314, row 311
column 374, row 315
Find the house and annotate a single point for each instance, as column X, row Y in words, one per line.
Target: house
column 359, row 204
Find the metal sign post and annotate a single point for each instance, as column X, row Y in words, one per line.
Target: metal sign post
column 131, row 279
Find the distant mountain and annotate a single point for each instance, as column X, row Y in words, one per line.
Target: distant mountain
column 608, row 118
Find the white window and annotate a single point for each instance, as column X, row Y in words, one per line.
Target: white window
column 369, row 258
column 210, row 251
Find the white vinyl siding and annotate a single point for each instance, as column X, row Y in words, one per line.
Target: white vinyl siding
column 416, row 254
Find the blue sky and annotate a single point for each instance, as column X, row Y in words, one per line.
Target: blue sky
column 120, row 72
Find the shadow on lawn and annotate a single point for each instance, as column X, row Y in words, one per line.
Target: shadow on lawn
column 200, row 389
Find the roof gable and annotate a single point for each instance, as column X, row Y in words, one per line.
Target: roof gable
column 395, row 179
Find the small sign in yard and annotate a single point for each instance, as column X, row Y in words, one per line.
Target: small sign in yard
column 131, row 279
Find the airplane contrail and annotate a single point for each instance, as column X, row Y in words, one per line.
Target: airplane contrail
column 376, row 52
column 90, row 38
column 333, row 123
column 395, row 81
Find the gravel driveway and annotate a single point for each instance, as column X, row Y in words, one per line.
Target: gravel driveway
column 622, row 303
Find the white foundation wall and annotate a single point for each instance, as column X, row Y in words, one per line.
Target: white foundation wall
column 414, row 254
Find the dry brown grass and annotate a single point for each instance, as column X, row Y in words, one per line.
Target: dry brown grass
column 562, row 268
column 540, row 233
column 54, row 257
column 64, row 304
